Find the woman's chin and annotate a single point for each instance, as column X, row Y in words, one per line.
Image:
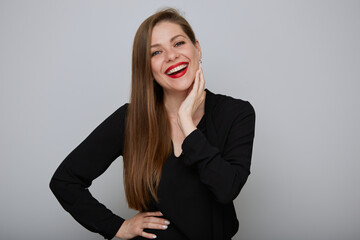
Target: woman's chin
column 180, row 87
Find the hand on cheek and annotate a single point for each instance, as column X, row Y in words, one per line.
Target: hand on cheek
column 192, row 103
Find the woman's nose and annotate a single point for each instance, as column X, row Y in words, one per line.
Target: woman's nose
column 171, row 55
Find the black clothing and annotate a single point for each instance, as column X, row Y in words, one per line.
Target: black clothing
column 196, row 190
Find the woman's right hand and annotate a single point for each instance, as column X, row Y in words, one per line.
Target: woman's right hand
column 135, row 226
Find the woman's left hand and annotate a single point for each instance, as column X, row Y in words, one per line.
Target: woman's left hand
column 191, row 103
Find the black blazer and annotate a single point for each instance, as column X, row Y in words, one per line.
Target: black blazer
column 196, row 190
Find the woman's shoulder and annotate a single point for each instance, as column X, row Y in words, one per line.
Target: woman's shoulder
column 122, row 109
column 120, row 112
column 116, row 118
column 224, row 105
column 227, row 115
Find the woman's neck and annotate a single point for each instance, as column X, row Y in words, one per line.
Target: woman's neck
column 173, row 101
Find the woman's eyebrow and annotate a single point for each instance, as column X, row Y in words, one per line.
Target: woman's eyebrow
column 176, row 36
column 172, row 39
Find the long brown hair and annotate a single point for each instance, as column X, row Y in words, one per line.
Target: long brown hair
column 147, row 133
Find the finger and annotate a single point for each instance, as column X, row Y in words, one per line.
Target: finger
column 156, row 220
column 154, row 226
column 196, row 82
column 148, row 235
column 202, row 81
column 151, row 214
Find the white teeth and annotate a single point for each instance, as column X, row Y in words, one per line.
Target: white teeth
column 178, row 68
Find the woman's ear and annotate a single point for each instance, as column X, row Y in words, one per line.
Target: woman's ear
column 197, row 45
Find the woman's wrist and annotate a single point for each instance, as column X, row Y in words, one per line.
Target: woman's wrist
column 120, row 232
column 186, row 124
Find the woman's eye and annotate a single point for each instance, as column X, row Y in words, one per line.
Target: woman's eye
column 155, row 53
column 179, row 43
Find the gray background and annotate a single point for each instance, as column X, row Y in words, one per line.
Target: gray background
column 65, row 66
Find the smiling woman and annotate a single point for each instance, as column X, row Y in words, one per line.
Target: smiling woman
column 186, row 150
column 175, row 55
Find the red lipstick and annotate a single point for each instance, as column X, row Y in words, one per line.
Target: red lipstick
column 179, row 74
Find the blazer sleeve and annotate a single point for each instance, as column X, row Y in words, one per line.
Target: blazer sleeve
column 224, row 172
column 86, row 162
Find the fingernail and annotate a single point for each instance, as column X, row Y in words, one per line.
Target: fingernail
column 167, row 222
column 154, row 236
column 164, row 227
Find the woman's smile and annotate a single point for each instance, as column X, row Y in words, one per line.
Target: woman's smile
column 177, row 70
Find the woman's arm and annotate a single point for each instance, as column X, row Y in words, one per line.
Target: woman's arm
column 86, row 162
column 224, row 172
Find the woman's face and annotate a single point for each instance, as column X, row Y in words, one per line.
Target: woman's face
column 174, row 58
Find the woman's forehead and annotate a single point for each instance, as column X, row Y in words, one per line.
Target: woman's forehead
column 166, row 31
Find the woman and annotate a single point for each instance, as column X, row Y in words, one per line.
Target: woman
column 186, row 151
